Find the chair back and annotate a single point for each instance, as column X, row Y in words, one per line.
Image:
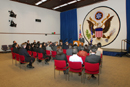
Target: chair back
column 13, row 55
column 40, row 55
column 68, row 56
column 4, row 47
column 75, row 66
column 48, row 52
column 53, row 53
column 17, row 57
column 88, row 54
column 60, row 64
column 29, row 52
column 11, row 49
column 22, row 58
column 64, row 51
column 10, row 46
column 92, row 68
column 101, row 56
column 34, row 54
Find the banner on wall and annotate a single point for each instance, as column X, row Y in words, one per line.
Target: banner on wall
column 101, row 24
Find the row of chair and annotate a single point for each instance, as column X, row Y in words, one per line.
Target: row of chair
column 76, row 67
column 6, row 47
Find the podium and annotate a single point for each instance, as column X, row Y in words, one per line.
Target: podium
column 78, row 42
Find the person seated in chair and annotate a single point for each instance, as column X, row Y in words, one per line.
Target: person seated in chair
column 28, row 58
column 70, row 50
column 66, row 46
column 15, row 49
column 82, row 52
column 93, row 58
column 61, row 56
column 76, row 58
column 13, row 43
column 55, row 47
column 41, row 50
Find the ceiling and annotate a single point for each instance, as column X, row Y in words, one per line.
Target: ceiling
column 50, row 4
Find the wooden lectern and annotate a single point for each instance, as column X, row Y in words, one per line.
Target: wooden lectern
column 77, row 42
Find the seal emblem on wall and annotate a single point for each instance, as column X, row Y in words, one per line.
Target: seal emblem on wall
column 101, row 24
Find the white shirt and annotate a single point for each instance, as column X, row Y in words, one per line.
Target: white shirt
column 75, row 58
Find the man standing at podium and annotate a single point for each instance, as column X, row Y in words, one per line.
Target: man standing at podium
column 81, row 39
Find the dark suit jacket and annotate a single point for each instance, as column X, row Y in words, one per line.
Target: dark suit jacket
column 65, row 46
column 81, row 40
column 24, row 52
column 41, row 50
column 61, row 57
column 15, row 50
column 54, row 48
column 27, row 47
column 93, row 59
column 69, row 51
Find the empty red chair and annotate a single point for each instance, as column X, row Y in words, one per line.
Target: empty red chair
column 92, row 68
column 60, row 65
column 22, row 60
column 75, row 67
column 34, row 54
column 64, row 51
column 53, row 53
column 48, row 52
column 68, row 56
column 30, row 53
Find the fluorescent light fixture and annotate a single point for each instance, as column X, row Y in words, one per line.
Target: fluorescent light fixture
column 56, row 7
column 72, row 2
column 63, row 5
column 38, row 3
column 78, row 0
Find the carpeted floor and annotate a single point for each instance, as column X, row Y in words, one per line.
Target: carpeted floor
column 115, row 73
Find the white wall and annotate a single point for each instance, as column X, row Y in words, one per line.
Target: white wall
column 26, row 15
column 119, row 7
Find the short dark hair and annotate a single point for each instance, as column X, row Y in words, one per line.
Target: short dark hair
column 93, row 48
column 99, row 45
column 59, row 50
column 75, row 51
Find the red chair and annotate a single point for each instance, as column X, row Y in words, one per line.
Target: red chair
column 64, row 51
column 88, row 54
column 40, row 56
column 22, row 60
column 13, row 57
column 92, row 68
column 11, row 49
column 75, row 67
column 34, row 54
column 17, row 57
column 68, row 56
column 30, row 53
column 48, row 52
column 60, row 65
column 53, row 53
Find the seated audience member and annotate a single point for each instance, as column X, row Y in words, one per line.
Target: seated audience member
column 41, row 50
column 86, row 48
column 55, row 47
column 61, row 44
column 66, row 46
column 61, row 56
column 34, row 42
column 28, row 44
column 49, row 48
column 44, row 46
column 75, row 46
column 13, row 43
column 93, row 58
column 32, row 47
column 69, row 51
column 75, row 58
column 79, row 47
column 99, row 50
column 28, row 58
column 82, row 52
column 15, row 49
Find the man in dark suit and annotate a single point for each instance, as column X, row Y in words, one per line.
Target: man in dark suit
column 13, row 43
column 15, row 49
column 69, row 51
column 55, row 47
column 66, row 46
column 41, row 50
column 81, row 39
column 93, row 58
column 28, row 44
column 28, row 58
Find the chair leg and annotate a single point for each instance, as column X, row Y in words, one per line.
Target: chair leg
column 54, row 72
column 98, row 79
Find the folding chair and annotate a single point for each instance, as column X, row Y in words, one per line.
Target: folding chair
column 30, row 52
column 22, row 60
column 34, row 54
column 91, row 68
column 75, row 67
column 40, row 56
column 53, row 54
column 60, row 65
column 48, row 52
column 64, row 51
column 17, row 57
column 13, row 57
